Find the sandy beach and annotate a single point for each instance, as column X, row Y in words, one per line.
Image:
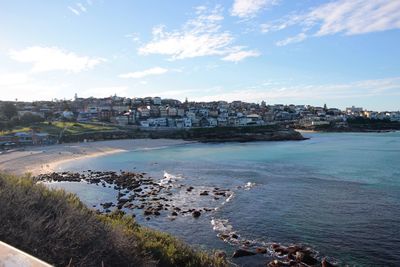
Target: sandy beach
column 45, row 159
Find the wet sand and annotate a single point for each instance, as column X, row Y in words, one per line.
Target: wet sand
column 45, row 159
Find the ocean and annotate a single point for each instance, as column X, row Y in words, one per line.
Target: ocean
column 338, row 193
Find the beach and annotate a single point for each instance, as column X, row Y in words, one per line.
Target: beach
column 45, row 159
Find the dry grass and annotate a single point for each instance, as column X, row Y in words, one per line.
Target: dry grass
column 56, row 227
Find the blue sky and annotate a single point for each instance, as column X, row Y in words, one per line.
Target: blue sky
column 339, row 52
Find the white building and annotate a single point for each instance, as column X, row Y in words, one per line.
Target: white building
column 187, row 122
column 157, row 101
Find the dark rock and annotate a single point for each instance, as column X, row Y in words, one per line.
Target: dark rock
column 235, row 236
column 242, row 253
column 223, row 236
column 189, row 189
column 204, row 193
column 196, row 213
column 174, row 213
column 122, row 201
column 148, row 212
column 277, row 263
column 325, row 263
column 293, row 249
column 261, row 250
column 305, row 258
column 107, row 205
column 275, row 245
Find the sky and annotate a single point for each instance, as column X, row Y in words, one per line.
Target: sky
column 339, row 52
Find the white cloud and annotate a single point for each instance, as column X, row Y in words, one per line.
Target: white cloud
column 104, row 91
column 54, row 58
column 73, row 10
column 249, row 8
column 7, row 79
column 294, row 39
column 357, row 16
column 135, row 37
column 201, row 36
column 144, row 73
column 350, row 17
column 240, row 55
column 23, row 87
column 81, row 7
column 365, row 88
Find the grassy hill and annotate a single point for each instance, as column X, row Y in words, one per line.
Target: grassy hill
column 55, row 128
column 56, row 227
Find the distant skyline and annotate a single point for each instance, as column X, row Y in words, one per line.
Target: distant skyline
column 339, row 52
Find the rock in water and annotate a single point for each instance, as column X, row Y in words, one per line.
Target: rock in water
column 261, row 250
column 196, row 213
column 305, row 258
column 242, row 253
column 277, row 263
column 325, row 263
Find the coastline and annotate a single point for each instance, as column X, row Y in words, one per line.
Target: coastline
column 46, row 159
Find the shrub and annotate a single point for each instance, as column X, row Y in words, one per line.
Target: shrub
column 58, row 228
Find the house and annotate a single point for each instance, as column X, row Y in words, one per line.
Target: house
column 172, row 112
column 163, row 111
column 254, row 119
column 203, row 112
column 69, row 115
column 212, row 122
column 23, row 112
column 157, row 101
column 105, row 114
column 187, row 122
column 120, row 108
column 181, row 112
column 144, row 112
column 41, row 139
column 122, row 120
column 144, row 123
column 354, row 110
column 222, row 121
column 158, row 122
column 203, row 122
column 24, row 138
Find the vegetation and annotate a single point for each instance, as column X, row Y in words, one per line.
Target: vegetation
column 373, row 124
column 56, row 227
column 8, row 110
column 55, row 128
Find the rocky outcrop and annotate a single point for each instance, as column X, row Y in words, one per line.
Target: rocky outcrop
column 242, row 134
column 242, row 253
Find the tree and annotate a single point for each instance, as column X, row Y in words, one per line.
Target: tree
column 29, row 118
column 8, row 110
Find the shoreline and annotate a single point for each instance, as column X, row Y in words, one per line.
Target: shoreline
column 345, row 131
column 46, row 159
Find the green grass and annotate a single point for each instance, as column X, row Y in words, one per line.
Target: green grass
column 56, row 227
column 56, row 128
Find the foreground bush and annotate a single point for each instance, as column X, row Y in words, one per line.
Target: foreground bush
column 56, row 227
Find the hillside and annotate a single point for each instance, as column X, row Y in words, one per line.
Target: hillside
column 57, row 228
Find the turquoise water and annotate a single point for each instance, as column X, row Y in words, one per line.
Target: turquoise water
column 337, row 192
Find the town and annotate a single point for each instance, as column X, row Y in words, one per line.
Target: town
column 156, row 113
